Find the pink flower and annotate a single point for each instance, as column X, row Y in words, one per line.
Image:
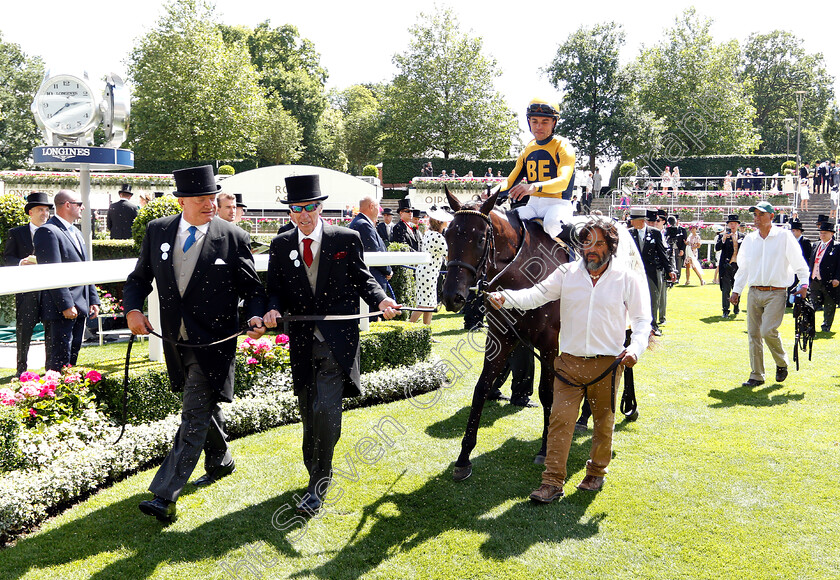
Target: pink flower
column 29, row 376
column 47, row 391
column 7, row 397
column 32, row 412
column 30, row 389
column 251, row 360
column 52, row 375
column 51, row 382
column 72, row 378
column 281, row 339
column 93, row 376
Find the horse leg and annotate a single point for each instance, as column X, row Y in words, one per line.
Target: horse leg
column 497, row 349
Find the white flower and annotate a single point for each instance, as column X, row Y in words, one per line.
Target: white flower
column 165, row 247
column 293, row 255
column 297, row 263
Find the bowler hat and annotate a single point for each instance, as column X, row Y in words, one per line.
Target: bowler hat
column 796, row 225
column 239, row 202
column 195, row 182
column 404, row 205
column 733, row 217
column 638, row 213
column 303, row 189
column 35, row 199
column 827, row 226
column 387, row 211
column 125, row 188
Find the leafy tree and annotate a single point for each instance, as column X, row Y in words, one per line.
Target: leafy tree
column 292, row 74
column 363, row 125
column 195, row 97
column 279, row 141
column 775, row 66
column 329, row 137
column 593, row 112
column 831, row 132
column 20, row 77
column 690, row 83
column 442, row 99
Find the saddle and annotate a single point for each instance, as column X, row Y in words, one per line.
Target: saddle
column 565, row 239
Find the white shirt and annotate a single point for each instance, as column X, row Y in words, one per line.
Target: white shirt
column 594, row 317
column 770, row 261
column 315, row 236
column 70, row 228
column 183, row 233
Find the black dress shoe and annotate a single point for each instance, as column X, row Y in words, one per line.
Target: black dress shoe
column 752, row 383
column 309, row 505
column 725, row 315
column 522, row 403
column 496, row 395
column 162, row 509
column 781, row 374
column 215, row 475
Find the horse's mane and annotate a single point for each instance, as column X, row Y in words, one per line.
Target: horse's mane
column 475, row 205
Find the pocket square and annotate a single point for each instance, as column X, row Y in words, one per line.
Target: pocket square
column 340, row 255
column 219, row 262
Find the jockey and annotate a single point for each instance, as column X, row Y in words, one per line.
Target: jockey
column 548, row 167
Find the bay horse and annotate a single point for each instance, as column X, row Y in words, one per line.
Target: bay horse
column 486, row 244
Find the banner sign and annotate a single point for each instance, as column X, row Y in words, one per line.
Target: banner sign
column 72, row 156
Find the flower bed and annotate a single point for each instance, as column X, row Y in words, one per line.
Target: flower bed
column 456, row 183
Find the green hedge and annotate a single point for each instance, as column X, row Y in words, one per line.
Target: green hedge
column 164, row 166
column 11, row 216
column 114, row 249
column 403, row 281
column 150, row 397
column 402, row 170
column 9, row 428
column 718, row 165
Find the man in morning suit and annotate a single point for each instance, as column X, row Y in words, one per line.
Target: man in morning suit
column 202, row 266
column 64, row 310
column 363, row 224
column 384, row 227
column 804, row 243
column 21, row 252
column 824, row 264
column 404, row 232
column 651, row 247
column 121, row 215
column 317, row 269
column 727, row 243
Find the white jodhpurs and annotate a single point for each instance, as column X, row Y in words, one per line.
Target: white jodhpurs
column 553, row 211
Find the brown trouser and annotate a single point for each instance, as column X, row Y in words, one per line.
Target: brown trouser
column 564, row 412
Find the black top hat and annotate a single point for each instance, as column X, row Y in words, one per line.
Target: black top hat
column 796, row 225
column 733, row 217
column 651, row 215
column 387, row 211
column 404, row 205
column 416, row 213
column 662, row 212
column 159, row 194
column 827, row 226
column 239, row 202
column 822, row 218
column 35, row 199
column 303, row 189
column 638, row 213
column 195, row 182
column 125, row 188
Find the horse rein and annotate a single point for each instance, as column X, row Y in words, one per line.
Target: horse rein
column 479, row 270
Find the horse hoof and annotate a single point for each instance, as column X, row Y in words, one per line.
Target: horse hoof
column 461, row 473
column 539, row 460
column 632, row 416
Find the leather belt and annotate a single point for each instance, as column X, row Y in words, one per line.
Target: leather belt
column 767, row 288
column 593, row 356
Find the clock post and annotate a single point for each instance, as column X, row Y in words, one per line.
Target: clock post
column 68, row 108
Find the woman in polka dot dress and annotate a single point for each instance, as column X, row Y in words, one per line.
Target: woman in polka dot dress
column 427, row 274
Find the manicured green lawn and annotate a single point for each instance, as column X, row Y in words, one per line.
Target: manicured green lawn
column 713, row 481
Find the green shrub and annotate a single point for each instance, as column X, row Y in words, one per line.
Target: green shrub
column 11, row 216
column 627, row 169
column 114, row 249
column 226, row 170
column 789, row 164
column 157, row 208
column 394, row 344
column 404, row 169
column 370, row 171
column 150, row 396
column 403, row 283
column 10, row 426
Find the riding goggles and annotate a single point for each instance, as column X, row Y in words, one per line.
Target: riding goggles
column 541, row 109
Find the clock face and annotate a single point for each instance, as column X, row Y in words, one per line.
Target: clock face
column 66, row 105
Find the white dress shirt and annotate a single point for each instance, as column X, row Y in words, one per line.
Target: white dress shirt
column 770, row 261
column 594, row 317
column 315, row 236
column 183, row 233
column 72, row 229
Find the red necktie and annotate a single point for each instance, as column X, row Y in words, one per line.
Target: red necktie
column 307, row 252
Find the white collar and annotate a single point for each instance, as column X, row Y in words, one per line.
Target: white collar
column 67, row 224
column 315, row 236
column 184, row 225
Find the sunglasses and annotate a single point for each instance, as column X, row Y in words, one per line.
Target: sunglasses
column 541, row 108
column 79, row 203
column 300, row 208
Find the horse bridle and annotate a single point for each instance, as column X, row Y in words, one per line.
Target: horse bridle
column 479, row 270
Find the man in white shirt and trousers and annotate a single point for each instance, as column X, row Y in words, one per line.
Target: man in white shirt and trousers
column 767, row 261
column 597, row 295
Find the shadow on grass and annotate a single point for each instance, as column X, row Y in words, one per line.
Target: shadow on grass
column 140, row 544
column 753, row 397
column 716, row 319
column 454, row 425
column 400, row 522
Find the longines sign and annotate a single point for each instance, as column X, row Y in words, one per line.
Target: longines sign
column 70, row 156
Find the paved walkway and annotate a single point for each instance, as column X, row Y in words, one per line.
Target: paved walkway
column 8, row 356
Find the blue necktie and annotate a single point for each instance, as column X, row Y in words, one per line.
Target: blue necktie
column 191, row 239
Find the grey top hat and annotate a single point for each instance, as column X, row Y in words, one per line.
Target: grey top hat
column 35, row 199
column 638, row 213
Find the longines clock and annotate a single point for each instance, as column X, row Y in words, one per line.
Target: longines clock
column 67, row 109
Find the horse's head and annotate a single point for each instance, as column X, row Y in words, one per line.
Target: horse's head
column 469, row 237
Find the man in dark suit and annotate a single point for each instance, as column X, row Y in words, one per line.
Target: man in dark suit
column 121, row 215
column 64, row 310
column 317, row 269
column 202, row 266
column 363, row 223
column 824, row 263
column 675, row 237
column 403, row 232
column 654, row 256
column 804, row 244
column 384, row 227
column 727, row 243
column 21, row 252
